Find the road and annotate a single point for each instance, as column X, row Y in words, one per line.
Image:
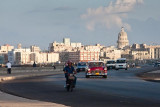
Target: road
column 121, row 89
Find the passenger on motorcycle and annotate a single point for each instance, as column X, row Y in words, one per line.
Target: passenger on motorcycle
column 69, row 69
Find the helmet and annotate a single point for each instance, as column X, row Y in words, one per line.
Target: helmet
column 69, row 62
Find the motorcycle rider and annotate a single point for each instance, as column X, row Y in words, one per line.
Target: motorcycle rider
column 69, row 69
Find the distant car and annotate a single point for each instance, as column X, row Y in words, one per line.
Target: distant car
column 157, row 64
column 58, row 62
column 81, row 66
column 121, row 63
column 111, row 64
column 96, row 68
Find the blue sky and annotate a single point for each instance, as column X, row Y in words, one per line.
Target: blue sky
column 40, row 22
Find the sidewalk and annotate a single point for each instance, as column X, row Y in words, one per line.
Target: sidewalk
column 7, row 100
column 152, row 76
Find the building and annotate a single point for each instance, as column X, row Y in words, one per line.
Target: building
column 5, row 48
column 79, row 56
column 44, row 57
column 66, row 46
column 19, row 56
column 35, row 48
column 66, row 41
column 110, row 53
column 25, row 56
column 92, row 48
column 76, row 45
column 85, row 55
column 157, row 53
column 59, row 47
column 19, row 46
column 4, row 53
column 52, row 57
column 63, row 56
column 154, row 51
column 3, row 58
column 122, row 39
column 140, row 54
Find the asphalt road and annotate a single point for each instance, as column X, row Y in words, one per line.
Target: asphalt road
column 121, row 89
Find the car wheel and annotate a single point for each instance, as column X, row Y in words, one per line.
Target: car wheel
column 104, row 76
column 126, row 69
column 87, row 76
column 77, row 71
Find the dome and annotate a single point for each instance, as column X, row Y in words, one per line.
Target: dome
column 122, row 39
column 122, row 33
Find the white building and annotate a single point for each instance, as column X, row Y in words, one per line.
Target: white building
column 66, row 46
column 44, row 57
column 140, row 54
column 25, row 56
column 76, row 45
column 5, row 48
column 35, row 48
column 52, row 57
column 19, row 46
column 19, row 56
column 110, row 53
column 154, row 51
column 157, row 53
column 59, row 47
column 92, row 48
column 122, row 39
column 85, row 55
column 66, row 41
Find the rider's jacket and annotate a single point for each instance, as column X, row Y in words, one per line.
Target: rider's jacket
column 69, row 70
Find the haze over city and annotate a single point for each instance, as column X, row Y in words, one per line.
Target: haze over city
column 79, row 53
column 41, row 22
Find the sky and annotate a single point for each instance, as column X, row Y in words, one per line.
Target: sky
column 40, row 22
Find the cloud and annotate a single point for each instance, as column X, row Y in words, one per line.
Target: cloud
column 64, row 9
column 110, row 16
column 43, row 9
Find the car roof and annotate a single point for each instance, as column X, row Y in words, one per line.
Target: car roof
column 121, row 59
column 95, row 61
column 81, row 62
column 111, row 60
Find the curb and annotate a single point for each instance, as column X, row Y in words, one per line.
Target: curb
column 6, row 78
column 150, row 76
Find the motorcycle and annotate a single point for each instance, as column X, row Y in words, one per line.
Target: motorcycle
column 70, row 84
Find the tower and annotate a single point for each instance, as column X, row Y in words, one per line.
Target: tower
column 66, row 41
column 122, row 39
column 19, row 46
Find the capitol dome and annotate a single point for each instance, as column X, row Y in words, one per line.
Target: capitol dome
column 122, row 39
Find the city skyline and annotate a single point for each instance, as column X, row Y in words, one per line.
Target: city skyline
column 41, row 22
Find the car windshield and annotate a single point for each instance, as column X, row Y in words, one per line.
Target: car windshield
column 96, row 64
column 82, row 64
column 158, row 63
column 121, row 61
column 110, row 62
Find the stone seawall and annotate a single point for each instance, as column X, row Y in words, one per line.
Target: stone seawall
column 30, row 69
column 23, row 72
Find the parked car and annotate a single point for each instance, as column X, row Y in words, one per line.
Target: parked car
column 111, row 64
column 81, row 66
column 96, row 68
column 121, row 63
